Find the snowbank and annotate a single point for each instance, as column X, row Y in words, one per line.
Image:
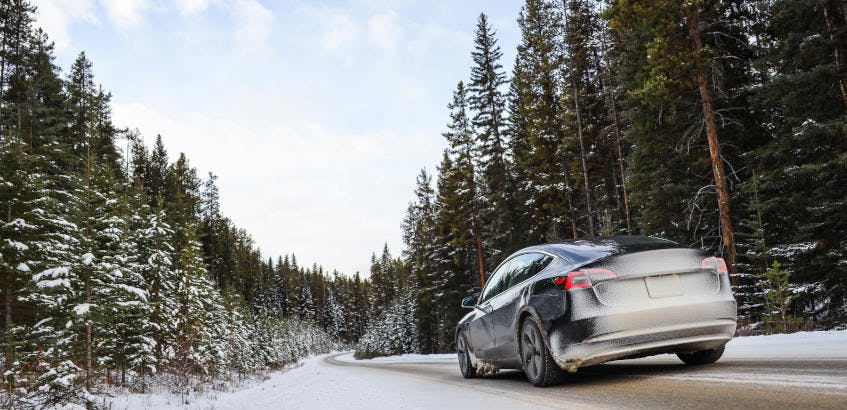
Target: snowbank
column 320, row 385
column 800, row 345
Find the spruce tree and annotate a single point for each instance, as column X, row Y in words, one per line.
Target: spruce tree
column 486, row 102
column 540, row 150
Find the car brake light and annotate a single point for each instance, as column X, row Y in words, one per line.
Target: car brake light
column 716, row 264
column 584, row 278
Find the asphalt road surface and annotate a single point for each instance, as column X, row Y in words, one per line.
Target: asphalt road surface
column 650, row 383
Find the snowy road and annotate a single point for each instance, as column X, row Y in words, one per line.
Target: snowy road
column 764, row 372
column 798, row 371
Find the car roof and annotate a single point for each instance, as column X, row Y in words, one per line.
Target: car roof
column 585, row 249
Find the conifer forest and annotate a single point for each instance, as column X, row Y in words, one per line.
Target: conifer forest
column 720, row 125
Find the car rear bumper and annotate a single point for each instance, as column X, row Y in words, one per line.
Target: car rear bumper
column 674, row 328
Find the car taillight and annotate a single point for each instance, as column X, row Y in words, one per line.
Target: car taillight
column 584, row 278
column 716, row 264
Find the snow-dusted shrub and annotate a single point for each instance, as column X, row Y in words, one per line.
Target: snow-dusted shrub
column 396, row 332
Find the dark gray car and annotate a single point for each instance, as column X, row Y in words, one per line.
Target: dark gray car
column 553, row 308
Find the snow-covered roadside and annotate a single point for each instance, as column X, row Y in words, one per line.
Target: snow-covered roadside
column 800, row 345
column 162, row 398
column 319, row 385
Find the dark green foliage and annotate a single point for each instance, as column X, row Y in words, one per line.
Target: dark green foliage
column 604, row 96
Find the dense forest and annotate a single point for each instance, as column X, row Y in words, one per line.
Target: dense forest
column 117, row 268
column 718, row 124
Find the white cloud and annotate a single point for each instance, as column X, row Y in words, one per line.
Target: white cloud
column 339, row 33
column 54, row 16
column 384, row 32
column 125, row 14
column 329, row 197
column 255, row 21
column 189, row 7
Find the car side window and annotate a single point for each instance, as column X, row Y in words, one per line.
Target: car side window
column 526, row 266
column 496, row 283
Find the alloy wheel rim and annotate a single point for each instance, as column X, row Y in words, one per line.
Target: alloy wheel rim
column 531, row 349
column 462, row 361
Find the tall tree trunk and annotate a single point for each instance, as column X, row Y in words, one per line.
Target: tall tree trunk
column 612, row 101
column 714, row 147
column 475, row 222
column 582, row 157
column 88, row 354
column 568, row 196
column 3, row 64
column 7, row 304
column 829, row 11
column 621, row 165
column 479, row 256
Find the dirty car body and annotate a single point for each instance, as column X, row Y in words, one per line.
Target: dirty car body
column 599, row 300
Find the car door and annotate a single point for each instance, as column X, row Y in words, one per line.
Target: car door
column 506, row 303
column 481, row 328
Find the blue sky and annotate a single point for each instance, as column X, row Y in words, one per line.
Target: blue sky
column 315, row 115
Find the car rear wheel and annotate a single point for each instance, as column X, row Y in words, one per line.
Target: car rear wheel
column 537, row 363
column 702, row 357
column 465, row 365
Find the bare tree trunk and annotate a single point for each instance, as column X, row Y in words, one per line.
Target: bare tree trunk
column 714, row 148
column 612, row 101
column 582, row 157
column 88, row 354
column 8, row 304
column 479, row 256
column 829, row 8
column 567, row 172
column 2, row 73
column 475, row 222
column 621, row 165
column 570, row 203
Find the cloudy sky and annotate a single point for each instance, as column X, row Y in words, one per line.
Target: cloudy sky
column 315, row 115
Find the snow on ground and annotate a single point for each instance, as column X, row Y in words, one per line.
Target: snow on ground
column 320, row 385
column 800, row 345
column 316, row 384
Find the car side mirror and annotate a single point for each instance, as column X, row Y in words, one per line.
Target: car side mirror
column 469, row 302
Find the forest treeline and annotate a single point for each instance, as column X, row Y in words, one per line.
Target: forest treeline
column 117, row 268
column 717, row 124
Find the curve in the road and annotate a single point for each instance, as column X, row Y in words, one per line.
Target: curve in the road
column 655, row 383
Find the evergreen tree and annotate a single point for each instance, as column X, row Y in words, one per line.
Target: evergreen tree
column 487, row 103
column 540, row 150
column 671, row 62
column 460, row 140
column 800, row 164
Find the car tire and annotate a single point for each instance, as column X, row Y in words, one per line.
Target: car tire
column 465, row 364
column 702, row 357
column 536, row 361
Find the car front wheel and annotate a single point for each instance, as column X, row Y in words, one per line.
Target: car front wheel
column 465, row 365
column 537, row 362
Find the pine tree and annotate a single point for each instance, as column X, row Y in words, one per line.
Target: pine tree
column 800, row 163
column 487, row 103
column 453, row 276
column 674, row 62
column 419, row 236
column 539, row 150
column 460, row 140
